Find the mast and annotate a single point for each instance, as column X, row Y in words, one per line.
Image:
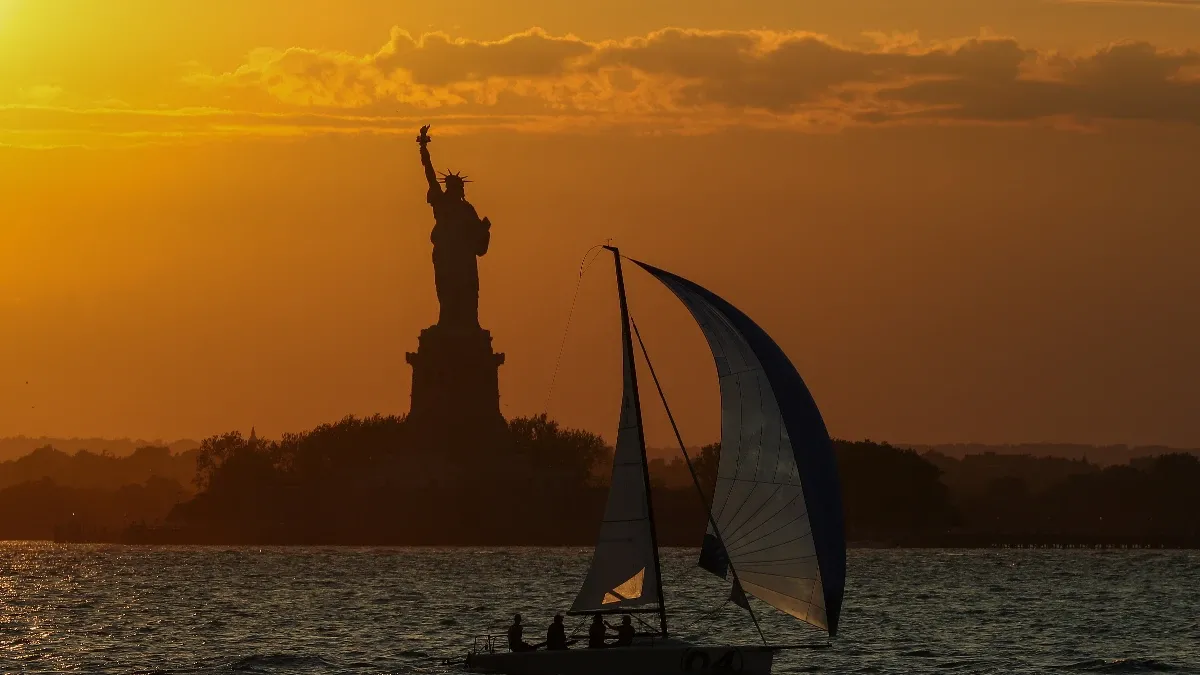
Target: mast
column 627, row 344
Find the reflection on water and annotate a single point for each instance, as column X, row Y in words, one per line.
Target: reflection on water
column 180, row 609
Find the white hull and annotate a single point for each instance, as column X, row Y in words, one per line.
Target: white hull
column 650, row 660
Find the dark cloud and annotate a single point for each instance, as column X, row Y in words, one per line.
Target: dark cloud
column 779, row 72
column 1122, row 82
column 688, row 81
column 438, row 60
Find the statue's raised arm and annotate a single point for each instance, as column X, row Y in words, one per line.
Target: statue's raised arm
column 430, row 175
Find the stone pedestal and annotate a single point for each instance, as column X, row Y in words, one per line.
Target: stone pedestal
column 455, row 386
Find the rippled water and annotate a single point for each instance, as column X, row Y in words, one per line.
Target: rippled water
column 167, row 609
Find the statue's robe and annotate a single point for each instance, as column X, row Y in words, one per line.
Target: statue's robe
column 459, row 237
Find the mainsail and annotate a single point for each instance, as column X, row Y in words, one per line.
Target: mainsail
column 625, row 573
column 777, row 503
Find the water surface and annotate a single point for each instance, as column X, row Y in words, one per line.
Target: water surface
column 81, row 608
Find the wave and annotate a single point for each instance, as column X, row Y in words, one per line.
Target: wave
column 256, row 663
column 1123, row 666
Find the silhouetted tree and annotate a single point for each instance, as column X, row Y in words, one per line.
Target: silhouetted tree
column 365, row 480
column 706, row 464
column 890, row 490
column 566, row 456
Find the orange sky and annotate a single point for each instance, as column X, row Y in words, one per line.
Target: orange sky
column 962, row 220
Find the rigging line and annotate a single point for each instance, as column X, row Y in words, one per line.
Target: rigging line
column 691, row 469
column 584, row 265
column 707, row 614
column 643, row 622
column 576, row 631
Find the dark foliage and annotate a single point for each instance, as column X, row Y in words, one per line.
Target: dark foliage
column 104, row 470
column 887, row 490
column 1157, row 496
column 368, row 481
column 44, row 509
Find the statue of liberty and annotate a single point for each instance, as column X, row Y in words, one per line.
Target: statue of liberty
column 459, row 236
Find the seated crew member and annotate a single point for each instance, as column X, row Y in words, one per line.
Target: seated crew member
column 556, row 635
column 515, row 641
column 625, row 632
column 597, row 633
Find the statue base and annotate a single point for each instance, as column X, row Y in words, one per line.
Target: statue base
column 456, row 390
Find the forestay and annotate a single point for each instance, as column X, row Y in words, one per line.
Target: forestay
column 624, row 570
column 777, row 502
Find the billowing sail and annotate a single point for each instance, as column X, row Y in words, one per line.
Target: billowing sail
column 777, row 502
column 624, row 571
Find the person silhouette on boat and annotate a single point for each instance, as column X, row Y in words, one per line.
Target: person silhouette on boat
column 597, row 633
column 556, row 635
column 515, row 641
column 625, row 632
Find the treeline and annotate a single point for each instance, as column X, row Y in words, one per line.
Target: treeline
column 43, row 509
column 12, row 447
column 370, row 481
column 366, row 481
column 49, row 493
column 1149, row 497
column 103, row 470
column 1101, row 455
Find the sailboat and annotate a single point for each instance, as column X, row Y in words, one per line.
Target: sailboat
column 775, row 525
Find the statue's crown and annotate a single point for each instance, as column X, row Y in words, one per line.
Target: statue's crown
column 453, row 177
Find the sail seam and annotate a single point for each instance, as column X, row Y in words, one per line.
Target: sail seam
column 780, row 560
column 773, row 546
column 741, row 539
column 761, row 482
column 772, row 564
column 749, row 497
column 741, row 444
column 737, row 470
column 786, row 595
column 781, row 576
column 742, row 544
column 704, row 318
column 770, row 498
column 762, row 422
column 813, row 590
column 779, row 446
